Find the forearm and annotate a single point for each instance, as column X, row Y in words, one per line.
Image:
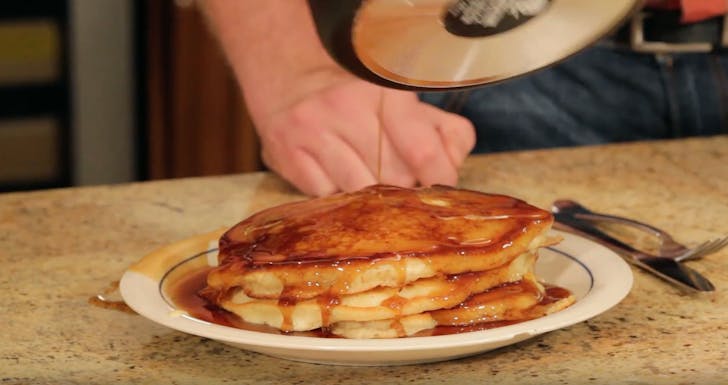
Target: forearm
column 269, row 44
column 320, row 127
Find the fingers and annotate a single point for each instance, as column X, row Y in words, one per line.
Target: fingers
column 393, row 169
column 332, row 142
column 456, row 132
column 360, row 128
column 302, row 170
column 313, row 157
column 380, row 158
column 416, row 136
column 342, row 163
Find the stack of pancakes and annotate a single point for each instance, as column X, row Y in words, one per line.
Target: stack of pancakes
column 385, row 262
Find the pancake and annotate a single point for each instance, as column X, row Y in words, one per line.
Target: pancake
column 375, row 256
column 508, row 303
column 427, row 294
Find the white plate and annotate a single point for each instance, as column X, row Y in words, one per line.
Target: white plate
column 598, row 278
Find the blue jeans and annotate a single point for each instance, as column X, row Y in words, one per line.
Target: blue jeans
column 601, row 95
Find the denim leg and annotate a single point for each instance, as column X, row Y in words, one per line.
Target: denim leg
column 701, row 89
column 601, row 95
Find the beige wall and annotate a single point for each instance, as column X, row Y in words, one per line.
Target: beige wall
column 103, row 90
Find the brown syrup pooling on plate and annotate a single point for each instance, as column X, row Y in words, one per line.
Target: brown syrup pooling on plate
column 184, row 295
column 554, row 294
column 101, row 300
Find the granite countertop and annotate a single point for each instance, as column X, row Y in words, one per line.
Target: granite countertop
column 60, row 247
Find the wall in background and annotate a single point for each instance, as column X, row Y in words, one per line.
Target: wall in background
column 103, row 91
column 67, row 93
column 112, row 91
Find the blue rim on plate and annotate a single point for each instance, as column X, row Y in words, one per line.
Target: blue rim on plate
column 597, row 277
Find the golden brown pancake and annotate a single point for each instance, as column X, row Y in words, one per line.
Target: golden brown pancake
column 422, row 295
column 380, row 254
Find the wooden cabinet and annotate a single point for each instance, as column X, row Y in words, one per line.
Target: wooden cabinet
column 195, row 115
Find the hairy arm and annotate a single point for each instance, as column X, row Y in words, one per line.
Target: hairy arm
column 318, row 124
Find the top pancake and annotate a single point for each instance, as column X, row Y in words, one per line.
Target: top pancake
column 378, row 236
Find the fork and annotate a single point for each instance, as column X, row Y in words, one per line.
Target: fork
column 669, row 248
column 665, row 268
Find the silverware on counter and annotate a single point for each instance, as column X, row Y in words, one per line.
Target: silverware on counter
column 669, row 248
column 571, row 216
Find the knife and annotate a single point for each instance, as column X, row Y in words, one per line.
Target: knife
column 665, row 268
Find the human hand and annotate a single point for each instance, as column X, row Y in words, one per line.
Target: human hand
column 318, row 124
column 326, row 138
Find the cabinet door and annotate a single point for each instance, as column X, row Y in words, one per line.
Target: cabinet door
column 196, row 117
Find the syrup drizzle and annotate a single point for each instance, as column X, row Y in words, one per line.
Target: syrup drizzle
column 285, row 247
column 184, row 294
column 380, row 138
column 357, row 215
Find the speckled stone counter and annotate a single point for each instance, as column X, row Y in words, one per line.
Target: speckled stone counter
column 59, row 247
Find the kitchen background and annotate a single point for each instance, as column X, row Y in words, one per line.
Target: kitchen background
column 113, row 91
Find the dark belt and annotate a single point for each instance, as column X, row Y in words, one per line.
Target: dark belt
column 662, row 32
